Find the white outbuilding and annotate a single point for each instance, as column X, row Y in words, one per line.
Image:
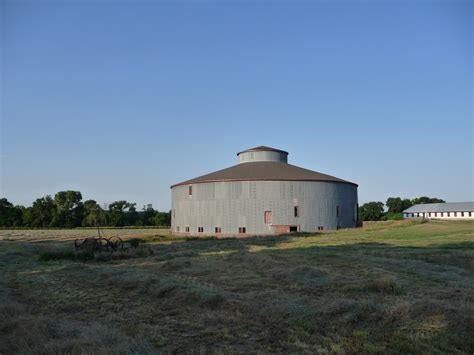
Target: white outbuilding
column 448, row 210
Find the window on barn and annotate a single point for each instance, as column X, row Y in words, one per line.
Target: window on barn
column 429, row 214
column 449, row 214
column 242, row 230
column 200, row 229
column 296, row 211
column 218, row 229
column 190, row 190
column 187, row 229
column 462, row 214
column 338, row 211
column 177, row 229
column 268, row 217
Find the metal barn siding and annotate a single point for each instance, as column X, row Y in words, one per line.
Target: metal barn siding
column 252, row 156
column 239, row 197
column 230, row 205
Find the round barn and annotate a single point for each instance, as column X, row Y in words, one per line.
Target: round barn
column 262, row 195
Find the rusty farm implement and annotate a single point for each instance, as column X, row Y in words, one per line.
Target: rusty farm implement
column 99, row 243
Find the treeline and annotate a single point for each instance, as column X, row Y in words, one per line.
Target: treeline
column 67, row 210
column 375, row 211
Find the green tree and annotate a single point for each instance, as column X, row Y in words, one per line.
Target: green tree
column 26, row 216
column 118, row 210
column 10, row 215
column 424, row 199
column 397, row 205
column 162, row 219
column 406, row 204
column 94, row 215
column 131, row 216
column 147, row 216
column 5, row 210
column 69, row 209
column 371, row 211
column 42, row 212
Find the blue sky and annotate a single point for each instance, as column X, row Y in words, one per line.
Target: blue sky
column 121, row 99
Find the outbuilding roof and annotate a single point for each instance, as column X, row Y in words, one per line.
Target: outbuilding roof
column 442, row 207
column 264, row 171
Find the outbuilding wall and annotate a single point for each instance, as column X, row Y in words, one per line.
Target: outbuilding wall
column 440, row 215
column 230, row 205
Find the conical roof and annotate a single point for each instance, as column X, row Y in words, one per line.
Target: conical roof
column 263, row 171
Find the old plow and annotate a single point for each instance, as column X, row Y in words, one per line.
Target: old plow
column 99, row 243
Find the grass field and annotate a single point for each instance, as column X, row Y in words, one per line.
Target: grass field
column 390, row 287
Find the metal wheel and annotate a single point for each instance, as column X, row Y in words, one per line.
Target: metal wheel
column 115, row 243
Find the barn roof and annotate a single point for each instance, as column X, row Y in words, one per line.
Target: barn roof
column 442, row 207
column 263, row 148
column 263, row 171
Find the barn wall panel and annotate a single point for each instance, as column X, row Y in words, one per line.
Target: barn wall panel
column 231, row 205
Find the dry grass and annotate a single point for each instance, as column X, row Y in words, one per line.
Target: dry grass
column 43, row 235
column 393, row 287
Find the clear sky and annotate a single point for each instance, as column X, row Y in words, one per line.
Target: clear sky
column 121, row 99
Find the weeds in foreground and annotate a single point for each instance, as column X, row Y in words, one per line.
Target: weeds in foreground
column 386, row 285
column 87, row 255
column 135, row 242
column 56, row 255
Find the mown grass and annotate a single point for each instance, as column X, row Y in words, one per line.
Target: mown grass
column 66, row 255
column 131, row 249
column 390, row 287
